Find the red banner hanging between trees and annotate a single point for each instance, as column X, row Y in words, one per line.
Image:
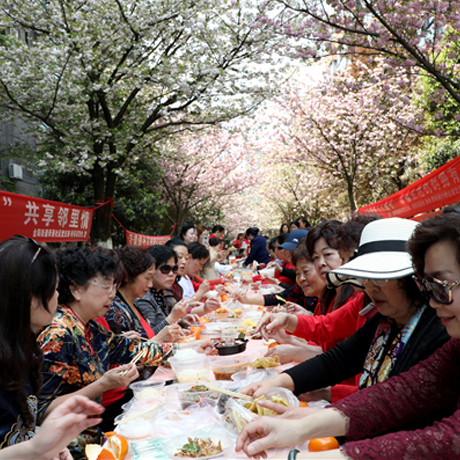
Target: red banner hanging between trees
column 145, row 241
column 436, row 190
column 43, row 220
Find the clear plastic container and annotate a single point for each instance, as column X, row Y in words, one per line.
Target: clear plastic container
column 214, row 335
column 224, row 368
column 191, row 370
column 147, row 389
column 194, row 392
column 247, row 377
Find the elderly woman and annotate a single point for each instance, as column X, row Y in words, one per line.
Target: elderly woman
column 78, row 352
column 28, row 300
column 405, row 331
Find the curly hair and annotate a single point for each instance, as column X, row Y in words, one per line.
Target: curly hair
column 79, row 265
column 444, row 227
column 26, row 271
column 135, row 260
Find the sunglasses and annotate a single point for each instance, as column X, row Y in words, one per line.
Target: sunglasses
column 36, row 244
column 167, row 269
column 438, row 290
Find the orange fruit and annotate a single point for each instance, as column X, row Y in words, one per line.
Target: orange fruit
column 196, row 330
column 115, row 448
column 260, row 308
column 273, row 345
column 204, row 320
column 224, row 297
column 303, row 404
column 320, row 444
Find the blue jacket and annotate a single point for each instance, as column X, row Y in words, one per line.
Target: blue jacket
column 258, row 251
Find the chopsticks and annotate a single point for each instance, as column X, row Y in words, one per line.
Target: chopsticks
column 139, row 414
column 277, row 297
column 229, row 393
column 139, row 355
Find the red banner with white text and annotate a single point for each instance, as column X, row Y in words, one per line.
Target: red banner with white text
column 436, row 190
column 43, row 220
column 145, row 241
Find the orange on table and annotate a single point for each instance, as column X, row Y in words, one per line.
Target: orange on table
column 260, row 308
column 224, row 297
column 320, row 444
column 273, row 345
column 116, row 448
column 196, row 330
column 204, row 320
column 303, row 404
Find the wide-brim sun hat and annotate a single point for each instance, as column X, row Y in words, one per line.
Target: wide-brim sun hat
column 381, row 254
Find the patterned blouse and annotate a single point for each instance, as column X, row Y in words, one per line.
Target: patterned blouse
column 121, row 318
column 12, row 429
column 76, row 355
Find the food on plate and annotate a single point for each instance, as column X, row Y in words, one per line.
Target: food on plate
column 254, row 407
column 115, row 448
column 265, row 362
column 198, row 447
column 320, row 444
column 195, row 394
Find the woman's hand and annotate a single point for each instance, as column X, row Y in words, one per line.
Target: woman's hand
column 210, row 305
column 288, row 353
column 269, row 279
column 120, row 376
column 295, row 309
column 178, row 311
column 270, row 323
column 132, row 335
column 168, row 334
column 202, row 290
column 258, row 389
column 63, row 424
column 189, row 320
column 275, row 266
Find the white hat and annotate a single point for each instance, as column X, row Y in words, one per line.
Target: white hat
column 382, row 251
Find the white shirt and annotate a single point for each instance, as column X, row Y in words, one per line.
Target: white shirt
column 187, row 286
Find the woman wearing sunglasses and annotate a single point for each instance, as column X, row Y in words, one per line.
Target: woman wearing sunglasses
column 78, row 352
column 28, row 300
column 372, row 419
column 153, row 304
column 403, row 332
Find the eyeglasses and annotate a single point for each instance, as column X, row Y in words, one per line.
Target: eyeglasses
column 379, row 283
column 167, row 269
column 108, row 287
column 35, row 243
column 438, row 290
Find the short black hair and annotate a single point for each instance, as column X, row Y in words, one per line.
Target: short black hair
column 304, row 220
column 296, row 223
column 135, row 260
column 79, row 265
column 175, row 242
column 252, row 231
column 197, row 250
column 282, row 238
column 271, row 243
column 214, row 242
column 185, row 228
column 162, row 254
column 217, row 228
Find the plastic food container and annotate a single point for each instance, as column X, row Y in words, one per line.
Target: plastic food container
column 191, row 370
column 193, row 393
column 214, row 335
column 147, row 389
column 224, row 368
column 231, row 348
column 247, row 377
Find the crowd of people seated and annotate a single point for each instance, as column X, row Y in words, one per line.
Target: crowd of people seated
column 371, row 315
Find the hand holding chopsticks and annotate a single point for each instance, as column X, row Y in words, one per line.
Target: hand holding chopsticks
column 136, row 358
column 229, row 393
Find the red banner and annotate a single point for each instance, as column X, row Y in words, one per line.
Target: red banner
column 43, row 220
column 145, row 241
column 436, row 190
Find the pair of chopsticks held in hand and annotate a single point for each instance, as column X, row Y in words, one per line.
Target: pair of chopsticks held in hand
column 138, row 356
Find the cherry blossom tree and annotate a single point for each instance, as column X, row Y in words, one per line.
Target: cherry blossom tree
column 342, row 143
column 202, row 171
column 406, row 33
column 107, row 79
